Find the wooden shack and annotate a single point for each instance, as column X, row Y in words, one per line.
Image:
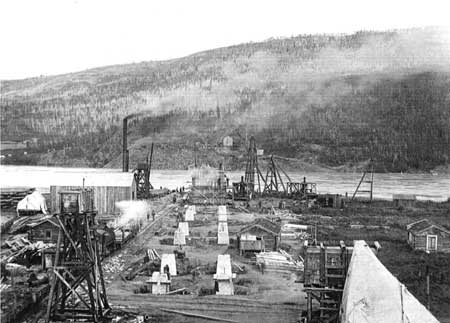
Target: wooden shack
column 260, row 235
column 428, row 236
column 107, row 190
column 404, row 200
column 46, row 231
column 325, row 272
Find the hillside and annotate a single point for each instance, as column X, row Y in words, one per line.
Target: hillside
column 324, row 100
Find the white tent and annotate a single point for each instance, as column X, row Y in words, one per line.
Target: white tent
column 34, row 202
column 373, row 294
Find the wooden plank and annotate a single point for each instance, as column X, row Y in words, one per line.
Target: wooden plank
column 206, row 317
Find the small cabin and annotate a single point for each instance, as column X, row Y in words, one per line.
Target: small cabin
column 46, row 231
column 260, row 235
column 428, row 236
column 407, row 200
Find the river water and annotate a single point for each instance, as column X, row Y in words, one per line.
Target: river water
column 424, row 186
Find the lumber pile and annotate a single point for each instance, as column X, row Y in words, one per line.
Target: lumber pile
column 19, row 245
column 10, row 198
column 278, row 262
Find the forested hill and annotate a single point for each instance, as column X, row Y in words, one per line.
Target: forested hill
column 328, row 100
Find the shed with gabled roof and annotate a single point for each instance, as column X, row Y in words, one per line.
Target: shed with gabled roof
column 45, row 230
column 428, row 236
column 260, row 235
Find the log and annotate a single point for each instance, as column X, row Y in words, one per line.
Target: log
column 207, row 317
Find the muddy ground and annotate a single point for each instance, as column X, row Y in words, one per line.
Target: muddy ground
column 278, row 293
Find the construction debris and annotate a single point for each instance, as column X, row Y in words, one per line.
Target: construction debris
column 9, row 198
column 278, row 262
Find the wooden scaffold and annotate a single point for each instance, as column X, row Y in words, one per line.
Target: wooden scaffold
column 77, row 288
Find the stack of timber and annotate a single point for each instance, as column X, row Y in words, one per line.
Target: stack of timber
column 279, row 262
column 11, row 196
column 18, row 245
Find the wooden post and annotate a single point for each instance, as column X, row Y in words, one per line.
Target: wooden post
column 53, row 277
column 309, row 306
column 428, row 287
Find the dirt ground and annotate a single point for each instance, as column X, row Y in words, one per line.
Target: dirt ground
column 270, row 288
column 381, row 221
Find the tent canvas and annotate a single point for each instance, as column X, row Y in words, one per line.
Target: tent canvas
column 34, row 201
column 169, row 259
column 373, row 294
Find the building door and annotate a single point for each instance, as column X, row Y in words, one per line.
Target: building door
column 431, row 242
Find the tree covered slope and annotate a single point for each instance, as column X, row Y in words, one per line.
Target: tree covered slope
column 329, row 100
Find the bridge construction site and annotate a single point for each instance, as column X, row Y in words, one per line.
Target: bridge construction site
column 267, row 248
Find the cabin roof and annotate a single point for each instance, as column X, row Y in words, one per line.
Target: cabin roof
column 37, row 223
column 264, row 224
column 424, row 224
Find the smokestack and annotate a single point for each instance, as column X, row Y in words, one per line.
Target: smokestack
column 124, row 146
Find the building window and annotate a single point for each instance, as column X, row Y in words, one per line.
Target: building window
column 431, row 242
column 48, row 234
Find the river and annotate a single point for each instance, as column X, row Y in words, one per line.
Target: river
column 424, row 186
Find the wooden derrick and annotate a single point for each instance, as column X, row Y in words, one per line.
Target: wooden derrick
column 77, row 288
column 142, row 178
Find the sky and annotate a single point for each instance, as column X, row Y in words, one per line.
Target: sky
column 47, row 37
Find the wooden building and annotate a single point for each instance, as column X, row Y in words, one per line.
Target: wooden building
column 107, row 190
column 428, row 236
column 325, row 272
column 260, row 235
column 46, row 231
column 404, row 199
